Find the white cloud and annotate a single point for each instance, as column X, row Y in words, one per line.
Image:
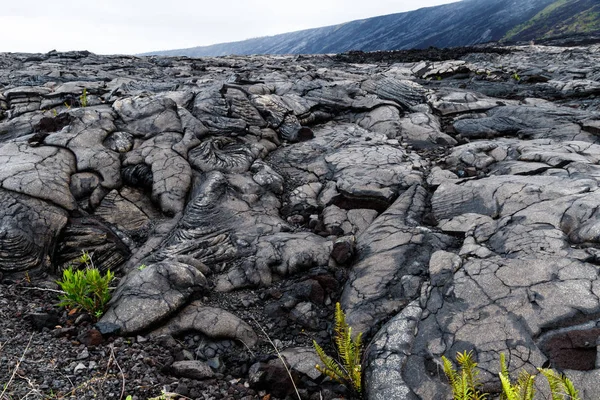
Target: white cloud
column 135, row 26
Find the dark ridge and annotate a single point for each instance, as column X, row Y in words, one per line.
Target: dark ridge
column 414, row 55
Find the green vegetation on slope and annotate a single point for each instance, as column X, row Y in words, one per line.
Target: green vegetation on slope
column 562, row 17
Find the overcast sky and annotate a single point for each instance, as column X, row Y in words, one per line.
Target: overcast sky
column 136, row 26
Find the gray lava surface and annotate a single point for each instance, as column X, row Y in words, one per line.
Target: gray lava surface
column 448, row 205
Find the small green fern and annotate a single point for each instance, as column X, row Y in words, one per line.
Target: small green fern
column 561, row 387
column 465, row 384
column 521, row 390
column 348, row 370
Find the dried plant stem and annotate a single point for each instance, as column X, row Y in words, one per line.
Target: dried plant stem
column 280, row 358
column 39, row 289
column 14, row 373
column 169, row 396
column 112, row 354
column 106, row 374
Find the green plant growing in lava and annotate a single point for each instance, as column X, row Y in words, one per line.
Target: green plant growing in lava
column 83, row 99
column 348, row 369
column 465, row 383
column 561, row 387
column 466, row 386
column 86, row 289
column 522, row 389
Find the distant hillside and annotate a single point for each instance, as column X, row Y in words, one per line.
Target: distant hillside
column 562, row 17
column 463, row 23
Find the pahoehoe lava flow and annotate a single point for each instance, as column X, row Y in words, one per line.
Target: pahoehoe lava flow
column 449, row 202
